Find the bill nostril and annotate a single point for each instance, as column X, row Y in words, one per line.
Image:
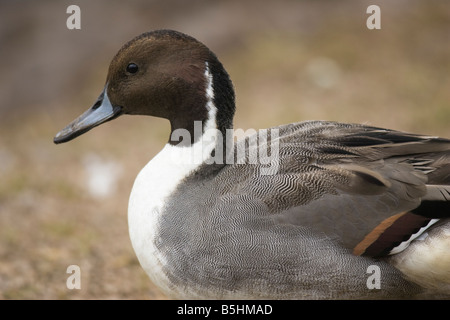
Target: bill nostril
column 99, row 101
column 97, row 104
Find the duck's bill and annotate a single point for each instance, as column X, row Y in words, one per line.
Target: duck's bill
column 100, row 112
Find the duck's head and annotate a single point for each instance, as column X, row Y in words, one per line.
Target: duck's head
column 164, row 74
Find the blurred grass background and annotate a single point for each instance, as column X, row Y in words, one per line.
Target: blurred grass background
column 289, row 61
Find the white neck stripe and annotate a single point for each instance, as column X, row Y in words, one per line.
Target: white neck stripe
column 212, row 110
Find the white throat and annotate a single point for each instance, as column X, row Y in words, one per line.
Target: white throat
column 158, row 180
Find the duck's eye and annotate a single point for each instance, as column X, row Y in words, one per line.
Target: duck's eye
column 132, row 68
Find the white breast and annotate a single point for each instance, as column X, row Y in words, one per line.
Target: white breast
column 156, row 182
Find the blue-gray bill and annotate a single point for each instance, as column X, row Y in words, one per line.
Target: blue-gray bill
column 99, row 113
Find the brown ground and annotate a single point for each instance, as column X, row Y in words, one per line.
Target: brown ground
column 290, row 61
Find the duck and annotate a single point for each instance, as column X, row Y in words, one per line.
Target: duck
column 307, row 210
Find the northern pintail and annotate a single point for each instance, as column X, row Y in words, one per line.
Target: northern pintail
column 340, row 210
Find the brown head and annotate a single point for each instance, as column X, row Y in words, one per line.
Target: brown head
column 164, row 74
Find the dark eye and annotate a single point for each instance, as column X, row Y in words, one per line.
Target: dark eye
column 132, row 68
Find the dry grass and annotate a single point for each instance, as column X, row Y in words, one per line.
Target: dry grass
column 322, row 65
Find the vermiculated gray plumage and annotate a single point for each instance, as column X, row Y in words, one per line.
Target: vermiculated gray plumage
column 270, row 235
